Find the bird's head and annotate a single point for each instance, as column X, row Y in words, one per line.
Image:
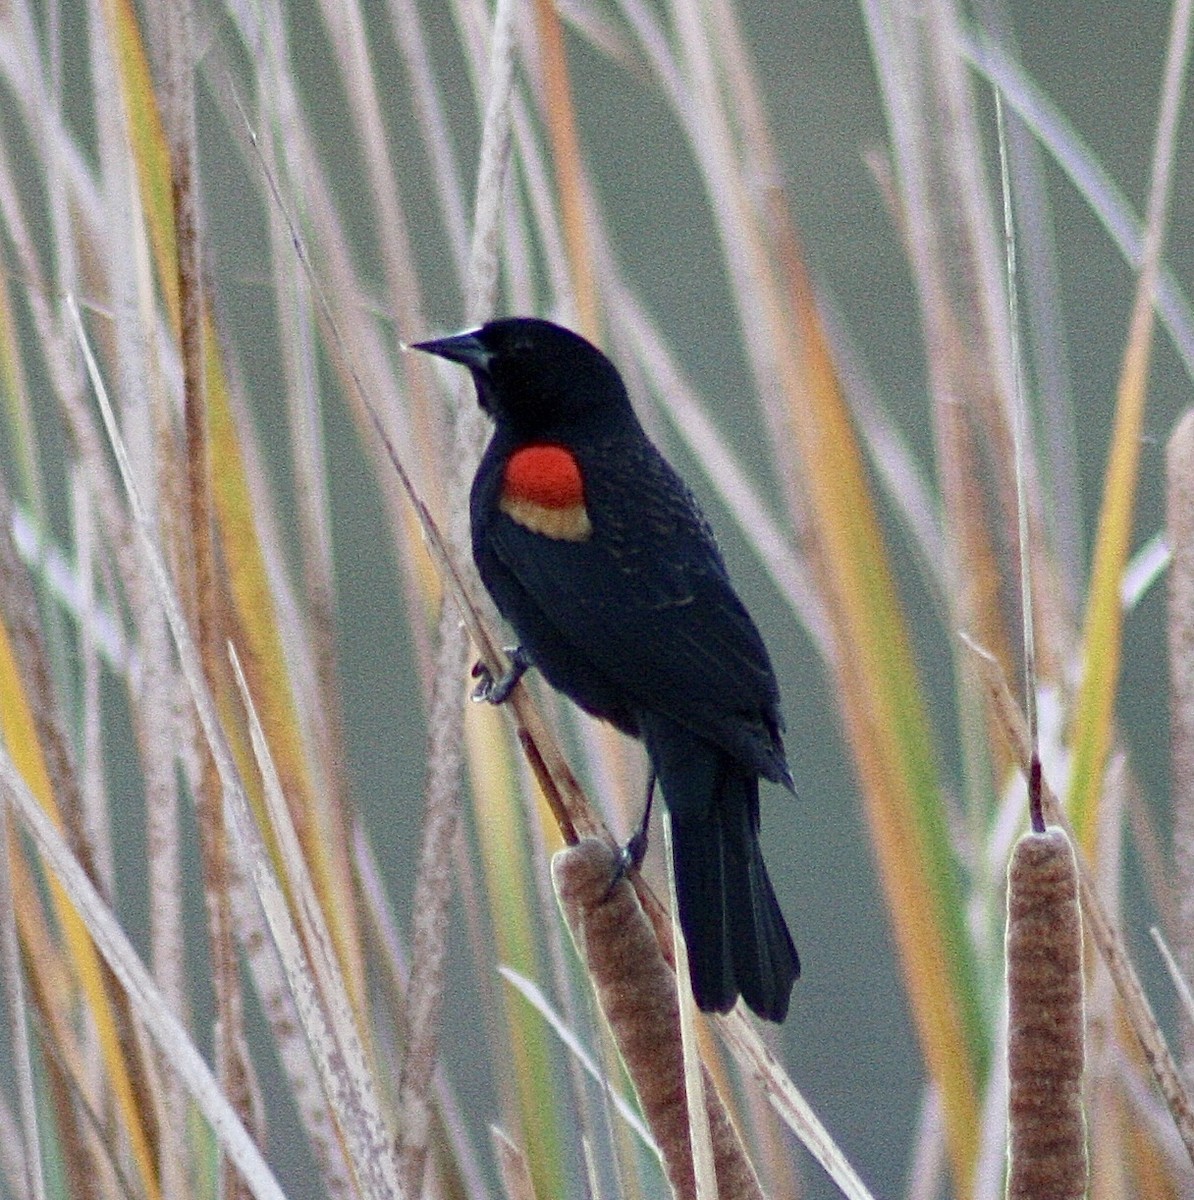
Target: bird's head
column 535, row 377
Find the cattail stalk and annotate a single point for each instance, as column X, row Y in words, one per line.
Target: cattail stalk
column 636, row 990
column 1179, row 520
column 1046, row 1051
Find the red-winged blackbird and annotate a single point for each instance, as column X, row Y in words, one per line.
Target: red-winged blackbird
column 596, row 553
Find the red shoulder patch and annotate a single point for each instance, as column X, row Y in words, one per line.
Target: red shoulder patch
column 543, row 491
column 546, row 475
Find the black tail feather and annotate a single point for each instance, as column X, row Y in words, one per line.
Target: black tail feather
column 737, row 939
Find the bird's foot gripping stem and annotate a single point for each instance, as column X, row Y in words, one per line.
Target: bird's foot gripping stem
column 497, row 691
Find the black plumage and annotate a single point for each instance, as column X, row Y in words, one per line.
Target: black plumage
column 597, row 554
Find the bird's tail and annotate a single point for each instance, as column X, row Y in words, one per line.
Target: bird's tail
column 737, row 939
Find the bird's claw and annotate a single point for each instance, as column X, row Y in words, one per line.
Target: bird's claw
column 497, row 691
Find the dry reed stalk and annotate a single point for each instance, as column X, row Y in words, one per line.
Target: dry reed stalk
column 198, row 580
column 1180, row 532
column 434, row 881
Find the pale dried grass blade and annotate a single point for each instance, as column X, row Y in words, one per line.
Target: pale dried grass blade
column 94, row 813
column 591, row 1175
column 1106, row 200
column 280, row 1009
column 534, row 996
column 146, row 1001
column 760, row 1065
column 320, row 990
column 1045, row 334
column 513, row 1167
column 926, row 1169
column 389, row 958
column 1020, row 428
column 1143, row 569
column 699, row 1134
column 1181, row 984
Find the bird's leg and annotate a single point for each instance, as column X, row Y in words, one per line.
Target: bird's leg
column 635, row 850
column 497, row 691
column 632, row 854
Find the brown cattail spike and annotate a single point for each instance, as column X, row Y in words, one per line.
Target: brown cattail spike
column 1045, row 1043
column 637, row 993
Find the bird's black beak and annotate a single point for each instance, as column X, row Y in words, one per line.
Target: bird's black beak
column 465, row 348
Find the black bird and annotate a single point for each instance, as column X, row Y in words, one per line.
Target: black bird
column 597, row 554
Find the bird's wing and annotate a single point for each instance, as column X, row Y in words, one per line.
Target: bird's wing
column 647, row 601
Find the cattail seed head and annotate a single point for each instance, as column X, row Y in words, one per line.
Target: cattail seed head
column 637, row 993
column 1046, row 1018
